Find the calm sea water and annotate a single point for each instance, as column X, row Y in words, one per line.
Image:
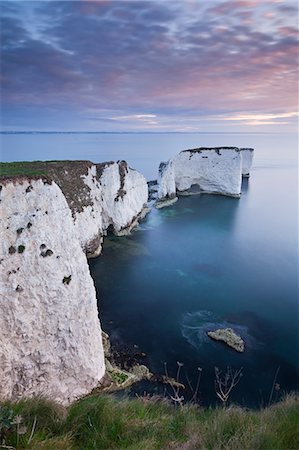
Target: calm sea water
column 143, row 152
column 206, row 262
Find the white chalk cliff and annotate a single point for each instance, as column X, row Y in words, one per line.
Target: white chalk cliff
column 124, row 197
column 247, row 159
column 204, row 170
column 50, row 334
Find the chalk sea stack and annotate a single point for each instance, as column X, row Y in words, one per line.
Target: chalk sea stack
column 216, row 170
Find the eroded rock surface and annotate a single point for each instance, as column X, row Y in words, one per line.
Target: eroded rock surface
column 247, row 159
column 204, row 170
column 50, row 340
column 229, row 337
column 51, row 214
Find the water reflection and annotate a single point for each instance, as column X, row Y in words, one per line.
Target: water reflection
column 245, row 185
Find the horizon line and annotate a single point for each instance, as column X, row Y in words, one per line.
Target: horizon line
column 139, row 132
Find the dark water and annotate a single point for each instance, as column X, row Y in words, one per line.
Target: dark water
column 209, row 262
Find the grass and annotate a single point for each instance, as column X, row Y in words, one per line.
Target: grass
column 118, row 377
column 21, row 168
column 29, row 168
column 104, row 422
column 67, row 174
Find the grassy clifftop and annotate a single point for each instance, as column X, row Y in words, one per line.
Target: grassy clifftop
column 67, row 174
column 104, row 422
column 35, row 168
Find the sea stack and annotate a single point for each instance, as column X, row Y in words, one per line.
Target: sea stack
column 247, row 159
column 216, row 170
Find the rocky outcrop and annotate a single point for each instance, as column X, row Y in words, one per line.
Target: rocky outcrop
column 50, row 335
column 247, row 159
column 124, row 197
column 204, row 170
column 152, row 191
column 166, row 185
column 100, row 196
column 229, row 337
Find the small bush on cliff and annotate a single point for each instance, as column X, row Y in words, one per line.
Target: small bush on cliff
column 103, row 421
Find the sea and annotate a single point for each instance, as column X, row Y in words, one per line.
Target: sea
column 203, row 263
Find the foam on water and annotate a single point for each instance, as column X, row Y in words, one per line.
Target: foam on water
column 195, row 326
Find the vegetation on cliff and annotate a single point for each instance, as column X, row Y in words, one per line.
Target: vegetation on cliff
column 105, row 422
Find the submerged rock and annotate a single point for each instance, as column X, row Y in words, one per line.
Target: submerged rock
column 229, row 337
column 163, row 203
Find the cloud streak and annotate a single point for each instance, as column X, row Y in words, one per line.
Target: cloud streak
column 172, row 60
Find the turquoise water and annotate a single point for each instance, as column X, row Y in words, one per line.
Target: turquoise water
column 205, row 262
column 209, row 262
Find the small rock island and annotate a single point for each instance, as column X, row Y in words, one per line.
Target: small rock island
column 229, row 337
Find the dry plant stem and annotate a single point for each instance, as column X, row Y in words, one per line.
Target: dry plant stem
column 178, row 400
column 273, row 385
column 189, row 383
column 194, row 398
column 33, row 429
column 224, row 385
column 166, row 373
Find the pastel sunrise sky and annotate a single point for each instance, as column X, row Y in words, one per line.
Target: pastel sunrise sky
column 188, row 65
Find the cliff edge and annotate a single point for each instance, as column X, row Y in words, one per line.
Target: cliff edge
column 51, row 213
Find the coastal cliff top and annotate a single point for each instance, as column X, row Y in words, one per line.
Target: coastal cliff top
column 67, row 174
column 50, row 170
column 40, row 169
column 215, row 149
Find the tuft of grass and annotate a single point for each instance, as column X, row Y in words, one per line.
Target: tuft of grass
column 43, row 419
column 103, row 421
column 118, row 377
column 62, row 443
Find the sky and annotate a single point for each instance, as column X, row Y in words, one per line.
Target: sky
column 188, row 65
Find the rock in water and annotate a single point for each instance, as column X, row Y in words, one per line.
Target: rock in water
column 229, row 337
column 247, row 158
column 216, row 170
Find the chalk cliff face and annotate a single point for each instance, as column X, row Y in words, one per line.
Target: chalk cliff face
column 50, row 335
column 124, row 197
column 208, row 170
column 247, row 159
column 166, row 184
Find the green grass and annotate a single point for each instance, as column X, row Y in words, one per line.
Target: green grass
column 104, row 422
column 118, row 377
column 39, row 168
column 21, row 168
